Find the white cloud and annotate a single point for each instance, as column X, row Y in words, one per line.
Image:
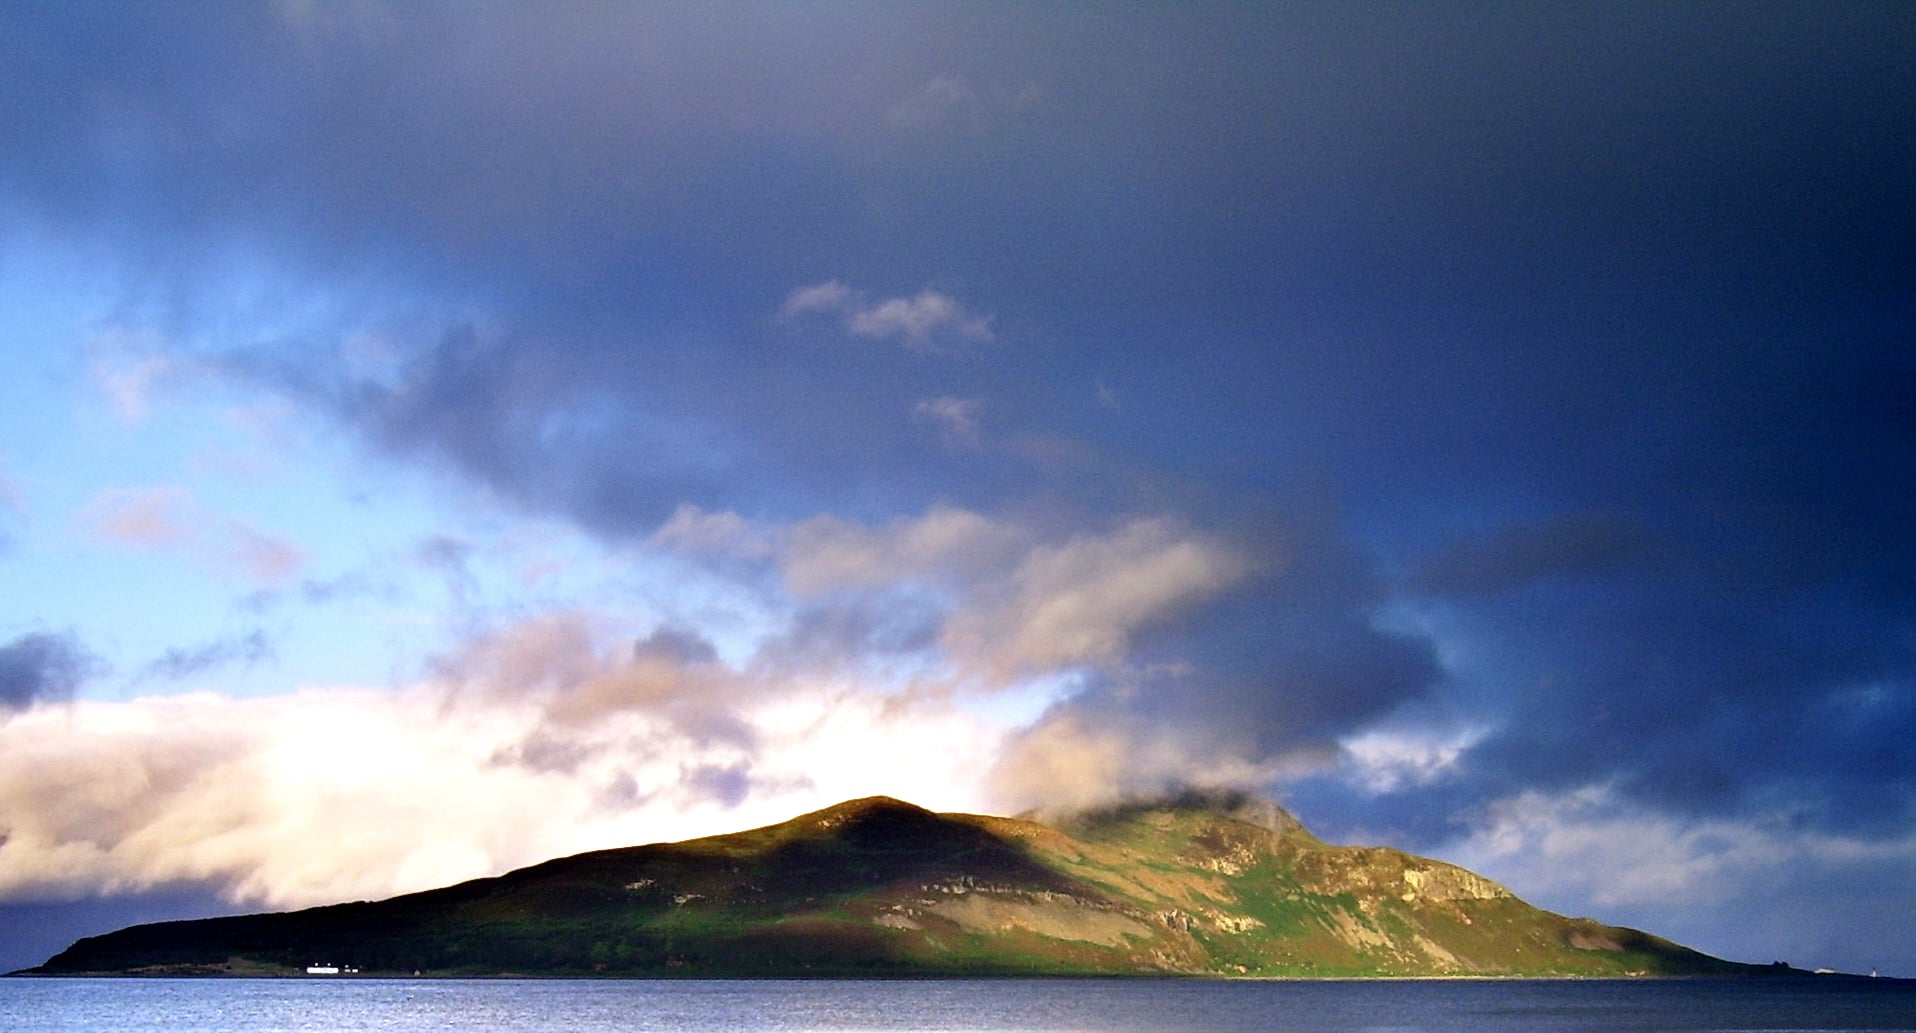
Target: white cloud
column 1386, row 759
column 1020, row 607
column 557, row 734
column 1013, row 603
column 699, row 532
column 955, row 418
column 920, row 320
column 1588, row 844
column 1081, row 602
column 339, row 794
column 928, row 321
column 830, row 296
column 1071, row 762
column 946, row 545
column 943, row 98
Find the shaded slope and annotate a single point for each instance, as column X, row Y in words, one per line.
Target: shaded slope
column 878, row 886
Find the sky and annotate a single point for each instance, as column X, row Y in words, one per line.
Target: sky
column 435, row 438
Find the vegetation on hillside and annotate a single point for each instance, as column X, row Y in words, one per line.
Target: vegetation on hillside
column 879, row 887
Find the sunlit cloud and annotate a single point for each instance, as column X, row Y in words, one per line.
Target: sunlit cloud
column 260, row 558
column 544, row 739
column 150, row 517
column 1066, row 762
column 1385, row 759
column 946, row 544
column 1017, row 605
column 1082, row 600
column 722, row 534
column 983, row 604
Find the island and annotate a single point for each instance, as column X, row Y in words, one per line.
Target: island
column 1202, row 886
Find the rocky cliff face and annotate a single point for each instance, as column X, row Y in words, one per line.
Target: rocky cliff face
column 1193, row 887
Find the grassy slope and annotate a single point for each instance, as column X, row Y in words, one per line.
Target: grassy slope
column 1276, row 901
column 880, row 887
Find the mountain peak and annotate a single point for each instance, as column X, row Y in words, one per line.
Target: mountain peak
column 861, row 809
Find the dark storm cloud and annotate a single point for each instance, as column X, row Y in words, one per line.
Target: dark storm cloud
column 1703, row 703
column 1300, row 659
column 1592, row 324
column 41, row 667
column 1518, row 555
column 1287, row 173
column 1679, row 692
column 1262, row 684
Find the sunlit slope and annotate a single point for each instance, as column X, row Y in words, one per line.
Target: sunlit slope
column 1256, row 894
column 881, row 887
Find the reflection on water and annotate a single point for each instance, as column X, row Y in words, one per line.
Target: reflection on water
column 1029, row 1006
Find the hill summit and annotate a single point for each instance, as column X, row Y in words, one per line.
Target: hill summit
column 1198, row 886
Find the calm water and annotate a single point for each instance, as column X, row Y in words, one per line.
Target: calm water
column 1034, row 1006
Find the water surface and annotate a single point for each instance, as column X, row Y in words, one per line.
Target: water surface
column 347, row 1005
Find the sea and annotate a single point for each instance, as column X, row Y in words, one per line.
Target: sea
column 349, row 1005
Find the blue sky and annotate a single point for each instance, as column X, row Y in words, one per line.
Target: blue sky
column 434, row 438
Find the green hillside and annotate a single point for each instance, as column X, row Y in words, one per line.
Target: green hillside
column 879, row 887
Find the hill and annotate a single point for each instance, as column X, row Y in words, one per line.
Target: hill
column 880, row 887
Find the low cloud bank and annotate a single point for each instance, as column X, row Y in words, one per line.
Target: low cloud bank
column 538, row 742
column 566, row 731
